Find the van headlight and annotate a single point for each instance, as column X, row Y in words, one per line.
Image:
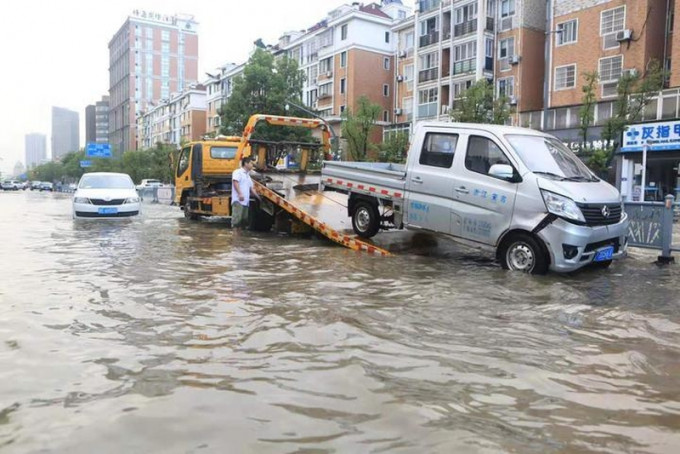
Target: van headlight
column 562, row 206
column 81, row 200
column 132, row 200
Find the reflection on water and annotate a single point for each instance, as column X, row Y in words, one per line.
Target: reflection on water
column 156, row 334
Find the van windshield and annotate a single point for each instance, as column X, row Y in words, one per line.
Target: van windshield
column 550, row 158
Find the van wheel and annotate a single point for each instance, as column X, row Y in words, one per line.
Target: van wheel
column 365, row 219
column 522, row 252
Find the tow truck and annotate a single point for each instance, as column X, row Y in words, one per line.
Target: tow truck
column 203, row 172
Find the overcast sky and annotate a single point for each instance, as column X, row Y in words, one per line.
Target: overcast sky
column 55, row 52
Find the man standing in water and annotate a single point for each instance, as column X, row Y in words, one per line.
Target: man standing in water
column 242, row 186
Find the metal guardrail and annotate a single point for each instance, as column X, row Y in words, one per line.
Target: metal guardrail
column 163, row 194
column 651, row 226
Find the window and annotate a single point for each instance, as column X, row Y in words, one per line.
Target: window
column 342, row 109
column 325, row 90
column 438, row 150
column 408, row 41
column 610, row 68
column 567, row 32
column 465, row 51
column 343, row 32
column 429, row 61
column 408, row 75
column 482, row 153
column 427, row 102
column 466, row 13
column 325, row 66
column 506, row 87
column 612, row 20
column 183, row 162
column 386, row 116
column 342, row 85
column 343, row 59
column 507, row 8
column 387, row 37
column 565, row 77
column 223, row 152
column 386, row 63
column 506, row 48
column 386, row 90
column 165, row 35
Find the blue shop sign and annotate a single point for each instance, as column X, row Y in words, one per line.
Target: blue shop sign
column 658, row 136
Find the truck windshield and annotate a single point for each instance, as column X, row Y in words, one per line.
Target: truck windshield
column 549, row 157
column 223, row 152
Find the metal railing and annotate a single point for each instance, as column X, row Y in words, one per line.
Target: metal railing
column 651, row 226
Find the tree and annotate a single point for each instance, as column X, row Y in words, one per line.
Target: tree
column 394, row 147
column 263, row 88
column 356, row 128
column 479, row 105
column 586, row 113
column 634, row 95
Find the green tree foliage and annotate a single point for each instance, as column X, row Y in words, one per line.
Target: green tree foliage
column 151, row 163
column 586, row 113
column 634, row 95
column 356, row 128
column 479, row 105
column 263, row 88
column 394, row 147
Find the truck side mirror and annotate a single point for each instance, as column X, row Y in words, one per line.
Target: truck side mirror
column 502, row 171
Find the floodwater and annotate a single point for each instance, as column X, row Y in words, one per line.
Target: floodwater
column 162, row 335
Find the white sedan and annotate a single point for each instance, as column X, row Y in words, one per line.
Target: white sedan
column 105, row 195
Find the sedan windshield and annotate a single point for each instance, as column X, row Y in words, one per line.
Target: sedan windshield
column 106, row 182
column 549, row 157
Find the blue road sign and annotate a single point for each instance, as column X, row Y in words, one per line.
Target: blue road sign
column 98, row 150
column 85, row 163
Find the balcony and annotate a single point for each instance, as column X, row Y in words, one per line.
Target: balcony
column 427, row 74
column 428, row 5
column 465, row 66
column 465, row 28
column 430, row 38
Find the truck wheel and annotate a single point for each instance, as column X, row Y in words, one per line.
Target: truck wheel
column 365, row 219
column 187, row 212
column 522, row 252
column 260, row 220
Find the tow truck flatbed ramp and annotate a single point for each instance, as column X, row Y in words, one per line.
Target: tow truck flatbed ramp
column 318, row 210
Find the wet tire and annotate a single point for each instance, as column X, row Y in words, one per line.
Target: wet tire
column 260, row 220
column 187, row 212
column 523, row 252
column 365, row 219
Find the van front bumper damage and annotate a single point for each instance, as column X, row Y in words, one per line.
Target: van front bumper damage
column 573, row 246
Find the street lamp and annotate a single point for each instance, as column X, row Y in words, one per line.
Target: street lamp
column 334, row 137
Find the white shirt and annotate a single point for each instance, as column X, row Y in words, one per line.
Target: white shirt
column 244, row 185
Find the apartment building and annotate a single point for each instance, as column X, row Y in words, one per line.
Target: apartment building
column 181, row 118
column 347, row 55
column 150, row 57
column 219, row 87
column 450, row 44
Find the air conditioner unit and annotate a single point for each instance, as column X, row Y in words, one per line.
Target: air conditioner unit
column 624, row 35
column 514, row 59
column 400, row 78
column 633, row 72
column 445, row 109
column 402, row 54
column 329, row 74
column 512, row 100
column 397, row 111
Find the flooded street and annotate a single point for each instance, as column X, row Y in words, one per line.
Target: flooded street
column 162, row 335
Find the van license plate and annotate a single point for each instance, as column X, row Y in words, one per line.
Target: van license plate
column 108, row 210
column 603, row 254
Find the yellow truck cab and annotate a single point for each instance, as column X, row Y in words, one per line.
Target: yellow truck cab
column 203, row 176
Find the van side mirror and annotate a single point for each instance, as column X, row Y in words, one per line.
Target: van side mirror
column 502, row 171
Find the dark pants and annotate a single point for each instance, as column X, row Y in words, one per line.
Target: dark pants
column 239, row 215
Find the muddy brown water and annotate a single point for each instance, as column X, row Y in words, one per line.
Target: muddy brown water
column 163, row 335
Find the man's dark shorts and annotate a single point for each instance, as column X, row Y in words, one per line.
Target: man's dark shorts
column 239, row 216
